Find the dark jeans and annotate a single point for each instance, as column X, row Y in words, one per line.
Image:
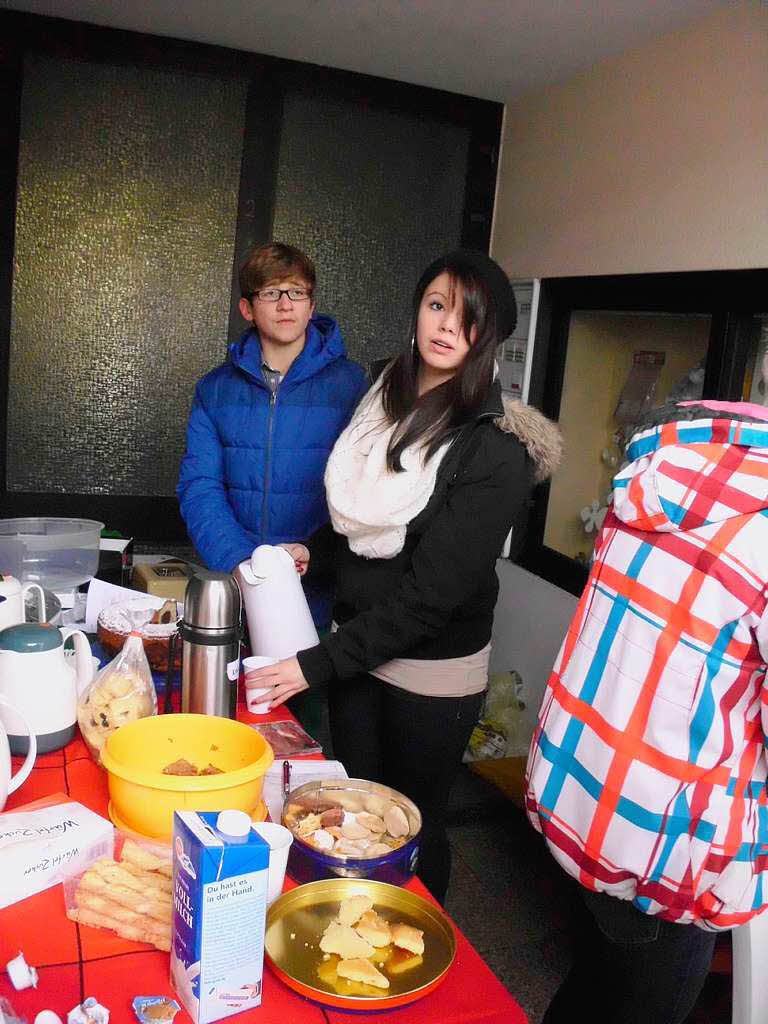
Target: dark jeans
column 631, row 968
column 412, row 743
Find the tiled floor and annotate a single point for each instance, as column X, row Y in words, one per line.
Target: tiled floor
column 503, row 895
column 509, row 897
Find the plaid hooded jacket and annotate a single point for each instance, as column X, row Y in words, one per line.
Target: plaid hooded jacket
column 647, row 770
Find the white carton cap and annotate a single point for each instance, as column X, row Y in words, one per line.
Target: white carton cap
column 236, row 824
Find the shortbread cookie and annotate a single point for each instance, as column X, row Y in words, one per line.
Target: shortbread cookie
column 396, row 821
column 352, row 908
column 135, row 854
column 358, row 969
column 374, row 929
column 157, row 908
column 151, row 879
column 406, row 937
column 344, row 940
column 403, row 960
column 371, row 821
column 159, row 938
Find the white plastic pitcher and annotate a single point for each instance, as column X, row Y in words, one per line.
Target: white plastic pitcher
column 279, row 620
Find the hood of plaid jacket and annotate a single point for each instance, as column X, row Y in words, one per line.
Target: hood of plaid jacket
column 694, row 464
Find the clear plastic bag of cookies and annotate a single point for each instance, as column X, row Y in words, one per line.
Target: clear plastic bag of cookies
column 129, row 893
column 119, row 693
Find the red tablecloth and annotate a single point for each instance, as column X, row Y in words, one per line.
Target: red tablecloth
column 75, row 961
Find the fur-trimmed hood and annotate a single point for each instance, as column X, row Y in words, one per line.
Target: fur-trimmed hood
column 541, row 437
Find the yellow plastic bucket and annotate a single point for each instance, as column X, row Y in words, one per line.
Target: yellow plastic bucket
column 143, row 799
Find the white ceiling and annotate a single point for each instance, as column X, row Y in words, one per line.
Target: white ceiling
column 495, row 49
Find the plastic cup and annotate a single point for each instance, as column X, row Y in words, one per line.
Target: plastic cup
column 279, row 839
column 22, row 975
column 252, row 696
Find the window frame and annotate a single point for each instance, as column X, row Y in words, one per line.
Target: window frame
column 732, row 299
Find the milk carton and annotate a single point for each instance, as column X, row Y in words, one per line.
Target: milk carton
column 219, row 908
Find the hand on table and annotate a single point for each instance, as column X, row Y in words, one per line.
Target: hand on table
column 300, row 555
column 283, row 680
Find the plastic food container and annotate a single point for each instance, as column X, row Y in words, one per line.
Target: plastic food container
column 142, row 798
column 307, row 863
column 59, row 554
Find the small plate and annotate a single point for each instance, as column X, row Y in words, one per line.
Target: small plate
column 297, row 920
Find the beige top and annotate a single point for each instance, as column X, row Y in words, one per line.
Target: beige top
column 448, row 677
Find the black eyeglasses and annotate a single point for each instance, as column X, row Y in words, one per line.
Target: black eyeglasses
column 274, row 294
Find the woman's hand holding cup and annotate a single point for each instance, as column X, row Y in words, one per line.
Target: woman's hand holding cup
column 269, row 683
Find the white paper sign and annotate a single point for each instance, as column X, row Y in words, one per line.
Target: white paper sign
column 101, row 594
column 40, row 848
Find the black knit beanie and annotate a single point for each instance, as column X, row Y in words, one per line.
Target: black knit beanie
column 501, row 293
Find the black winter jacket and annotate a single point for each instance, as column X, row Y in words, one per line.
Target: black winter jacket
column 435, row 599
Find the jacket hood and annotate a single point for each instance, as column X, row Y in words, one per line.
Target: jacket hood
column 693, row 466
column 541, row 437
column 324, row 344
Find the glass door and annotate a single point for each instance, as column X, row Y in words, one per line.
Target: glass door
column 755, row 387
column 618, row 365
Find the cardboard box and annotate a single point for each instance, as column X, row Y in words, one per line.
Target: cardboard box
column 162, row 579
column 115, row 560
column 219, row 912
column 40, row 847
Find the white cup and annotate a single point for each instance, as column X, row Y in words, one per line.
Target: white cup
column 279, row 839
column 252, row 696
column 21, row 974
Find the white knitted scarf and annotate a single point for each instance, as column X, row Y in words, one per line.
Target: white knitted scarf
column 368, row 503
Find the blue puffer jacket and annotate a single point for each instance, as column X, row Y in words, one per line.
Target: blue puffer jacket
column 253, row 469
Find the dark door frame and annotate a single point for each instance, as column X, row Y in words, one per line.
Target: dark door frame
column 731, row 297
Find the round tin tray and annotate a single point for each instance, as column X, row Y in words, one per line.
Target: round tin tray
column 297, row 920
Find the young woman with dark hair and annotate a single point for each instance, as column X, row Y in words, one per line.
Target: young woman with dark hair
column 432, row 474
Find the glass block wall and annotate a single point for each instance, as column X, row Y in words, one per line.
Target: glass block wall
column 127, row 198
column 373, row 196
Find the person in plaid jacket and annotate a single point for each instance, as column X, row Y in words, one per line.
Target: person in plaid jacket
column 647, row 770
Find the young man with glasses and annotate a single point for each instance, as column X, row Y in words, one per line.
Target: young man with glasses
column 262, row 424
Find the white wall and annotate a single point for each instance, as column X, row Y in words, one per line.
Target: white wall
column 654, row 161
column 529, row 625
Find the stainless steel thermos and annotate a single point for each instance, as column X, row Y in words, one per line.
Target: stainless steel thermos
column 210, row 634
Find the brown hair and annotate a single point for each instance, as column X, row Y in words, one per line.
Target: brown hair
column 272, row 262
column 439, row 414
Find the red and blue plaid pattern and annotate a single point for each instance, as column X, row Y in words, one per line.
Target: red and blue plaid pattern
column 647, row 771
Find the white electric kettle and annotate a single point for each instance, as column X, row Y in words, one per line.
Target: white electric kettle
column 279, row 620
column 41, row 684
column 12, row 594
column 9, row 782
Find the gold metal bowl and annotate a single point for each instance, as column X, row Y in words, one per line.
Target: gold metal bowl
column 297, row 920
